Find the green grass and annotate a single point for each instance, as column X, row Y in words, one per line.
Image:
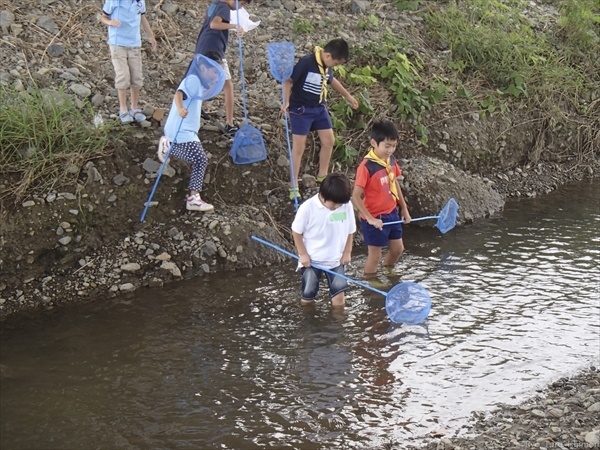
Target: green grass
column 496, row 42
column 42, row 136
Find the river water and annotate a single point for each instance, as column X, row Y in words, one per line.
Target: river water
column 233, row 361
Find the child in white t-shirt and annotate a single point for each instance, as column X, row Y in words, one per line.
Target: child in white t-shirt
column 322, row 231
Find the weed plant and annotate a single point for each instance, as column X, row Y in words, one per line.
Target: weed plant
column 501, row 58
column 495, row 41
column 43, row 136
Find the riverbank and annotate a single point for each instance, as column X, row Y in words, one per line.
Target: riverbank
column 564, row 415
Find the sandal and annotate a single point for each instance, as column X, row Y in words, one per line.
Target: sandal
column 125, row 117
column 138, row 115
column 320, row 178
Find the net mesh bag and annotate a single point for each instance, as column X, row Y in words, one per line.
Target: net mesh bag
column 248, row 146
column 408, row 303
column 447, row 218
column 281, row 59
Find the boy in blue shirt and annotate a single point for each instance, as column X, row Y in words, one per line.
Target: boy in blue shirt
column 123, row 18
column 305, row 94
column 213, row 36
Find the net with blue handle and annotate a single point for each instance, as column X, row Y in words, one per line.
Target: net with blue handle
column 447, row 218
column 406, row 302
column 281, row 59
column 248, row 144
column 281, row 62
column 204, row 78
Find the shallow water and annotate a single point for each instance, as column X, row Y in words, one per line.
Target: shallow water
column 233, row 362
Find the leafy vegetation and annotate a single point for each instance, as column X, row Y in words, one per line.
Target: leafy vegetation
column 499, row 57
column 43, row 135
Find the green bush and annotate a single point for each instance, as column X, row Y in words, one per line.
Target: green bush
column 492, row 40
column 42, row 134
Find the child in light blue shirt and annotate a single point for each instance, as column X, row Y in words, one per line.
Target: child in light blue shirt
column 181, row 130
column 123, row 19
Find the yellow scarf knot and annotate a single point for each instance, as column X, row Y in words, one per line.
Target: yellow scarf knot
column 389, row 169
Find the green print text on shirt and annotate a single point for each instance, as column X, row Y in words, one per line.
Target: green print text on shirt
column 338, row 216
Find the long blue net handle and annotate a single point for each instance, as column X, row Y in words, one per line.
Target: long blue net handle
column 406, row 302
column 262, row 241
column 281, row 62
column 446, row 218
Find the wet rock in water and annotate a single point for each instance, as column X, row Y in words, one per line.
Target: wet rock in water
column 171, row 267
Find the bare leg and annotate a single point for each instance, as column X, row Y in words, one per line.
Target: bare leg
column 122, row 94
column 135, row 97
column 338, row 300
column 373, row 258
column 395, row 250
column 298, row 147
column 228, row 90
column 327, row 139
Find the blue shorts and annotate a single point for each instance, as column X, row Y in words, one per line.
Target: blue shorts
column 380, row 238
column 311, row 277
column 305, row 119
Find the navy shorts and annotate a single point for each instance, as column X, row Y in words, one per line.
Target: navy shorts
column 305, row 119
column 380, row 238
column 312, row 276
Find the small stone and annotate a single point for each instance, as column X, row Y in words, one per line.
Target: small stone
column 155, row 282
column 595, row 407
column 65, row 240
column 282, row 161
column 158, row 114
column 112, row 198
column 130, row 267
column 28, row 204
column 127, row 287
column 171, row 267
column 593, row 438
column 163, row 257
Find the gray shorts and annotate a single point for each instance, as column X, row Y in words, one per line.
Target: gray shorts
column 127, row 62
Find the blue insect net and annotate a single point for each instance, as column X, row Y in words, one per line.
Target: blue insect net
column 408, row 303
column 281, row 59
column 447, row 218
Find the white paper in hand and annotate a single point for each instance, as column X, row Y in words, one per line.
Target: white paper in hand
column 245, row 21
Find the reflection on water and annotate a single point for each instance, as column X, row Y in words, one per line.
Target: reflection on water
column 235, row 363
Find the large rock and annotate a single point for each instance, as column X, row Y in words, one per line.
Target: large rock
column 429, row 183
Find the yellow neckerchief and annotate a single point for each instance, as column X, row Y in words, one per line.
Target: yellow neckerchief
column 389, row 169
column 323, row 70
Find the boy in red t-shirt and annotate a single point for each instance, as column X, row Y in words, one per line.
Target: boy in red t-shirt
column 377, row 196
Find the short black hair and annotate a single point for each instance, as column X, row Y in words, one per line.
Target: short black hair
column 383, row 129
column 336, row 187
column 215, row 56
column 338, row 49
